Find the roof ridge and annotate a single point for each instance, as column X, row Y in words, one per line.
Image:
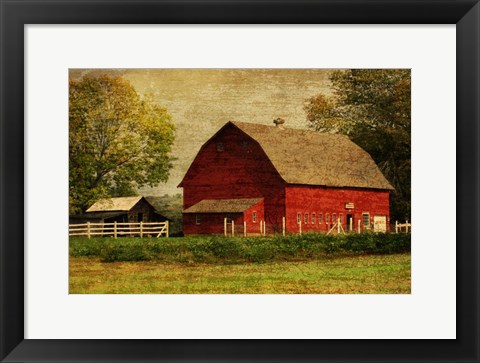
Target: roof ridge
column 287, row 128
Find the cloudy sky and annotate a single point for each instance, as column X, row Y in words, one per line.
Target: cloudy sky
column 202, row 100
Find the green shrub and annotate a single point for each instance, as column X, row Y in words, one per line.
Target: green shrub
column 237, row 250
column 84, row 247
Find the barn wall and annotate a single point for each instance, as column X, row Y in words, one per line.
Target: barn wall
column 323, row 200
column 240, row 170
column 141, row 207
column 210, row 223
column 254, row 227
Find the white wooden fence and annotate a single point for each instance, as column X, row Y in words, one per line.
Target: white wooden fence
column 156, row 229
column 403, row 227
column 231, row 229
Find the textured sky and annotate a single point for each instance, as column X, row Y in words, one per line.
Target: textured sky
column 202, row 100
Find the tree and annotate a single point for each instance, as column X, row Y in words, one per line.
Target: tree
column 372, row 107
column 118, row 140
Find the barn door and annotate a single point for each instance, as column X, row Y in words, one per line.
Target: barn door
column 380, row 224
column 350, row 224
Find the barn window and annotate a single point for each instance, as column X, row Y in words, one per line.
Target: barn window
column 320, row 218
column 140, row 217
column 220, row 146
column 305, row 220
column 299, row 218
column 340, row 217
column 198, row 218
column 327, row 218
column 313, row 218
column 366, row 219
column 254, row 217
column 334, row 218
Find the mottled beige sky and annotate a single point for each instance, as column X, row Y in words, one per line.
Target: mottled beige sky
column 202, row 100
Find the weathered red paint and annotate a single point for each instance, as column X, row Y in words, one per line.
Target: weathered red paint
column 233, row 165
column 213, row 223
column 323, row 200
column 253, row 226
column 240, row 170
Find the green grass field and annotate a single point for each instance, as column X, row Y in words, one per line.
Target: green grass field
column 359, row 274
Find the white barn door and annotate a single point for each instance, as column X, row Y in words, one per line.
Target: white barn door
column 380, row 224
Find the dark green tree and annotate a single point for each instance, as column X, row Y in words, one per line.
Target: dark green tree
column 118, row 140
column 373, row 108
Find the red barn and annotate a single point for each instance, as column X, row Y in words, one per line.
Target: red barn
column 266, row 174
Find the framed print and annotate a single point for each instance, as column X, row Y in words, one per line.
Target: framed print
column 224, row 71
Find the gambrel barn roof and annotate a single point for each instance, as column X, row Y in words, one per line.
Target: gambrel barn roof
column 314, row 158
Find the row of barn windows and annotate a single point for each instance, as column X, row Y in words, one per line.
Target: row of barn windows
column 307, row 218
column 312, row 218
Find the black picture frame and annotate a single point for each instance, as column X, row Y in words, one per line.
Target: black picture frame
column 15, row 14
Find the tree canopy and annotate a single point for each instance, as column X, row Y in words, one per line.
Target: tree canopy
column 372, row 107
column 118, row 140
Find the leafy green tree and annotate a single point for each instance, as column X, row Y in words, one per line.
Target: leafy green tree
column 118, row 140
column 372, row 107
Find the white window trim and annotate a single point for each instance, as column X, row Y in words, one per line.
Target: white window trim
column 363, row 219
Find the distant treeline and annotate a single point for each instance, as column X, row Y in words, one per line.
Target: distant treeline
column 170, row 206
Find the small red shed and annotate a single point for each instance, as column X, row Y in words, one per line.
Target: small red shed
column 302, row 179
column 214, row 215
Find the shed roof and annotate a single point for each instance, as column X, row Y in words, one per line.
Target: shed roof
column 114, row 204
column 314, row 158
column 97, row 215
column 222, row 205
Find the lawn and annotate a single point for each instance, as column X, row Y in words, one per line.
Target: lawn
column 360, row 274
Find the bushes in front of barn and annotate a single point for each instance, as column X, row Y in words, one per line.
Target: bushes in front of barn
column 238, row 250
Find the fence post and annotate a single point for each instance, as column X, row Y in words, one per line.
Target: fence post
column 338, row 225
column 225, row 226
column 351, row 225
column 359, row 229
column 244, row 228
column 396, row 226
column 141, row 229
column 88, row 230
column 167, row 224
column 261, row 230
column 115, row 229
column 264, row 228
column 233, row 228
column 283, row 226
